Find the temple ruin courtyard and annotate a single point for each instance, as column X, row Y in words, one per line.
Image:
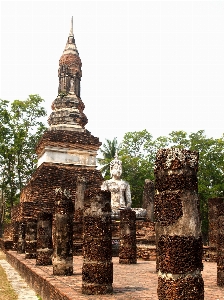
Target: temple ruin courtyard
column 75, row 236
column 138, row 281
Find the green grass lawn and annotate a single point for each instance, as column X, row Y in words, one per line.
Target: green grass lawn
column 6, row 290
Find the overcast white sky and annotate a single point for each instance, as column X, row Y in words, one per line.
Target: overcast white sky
column 155, row 65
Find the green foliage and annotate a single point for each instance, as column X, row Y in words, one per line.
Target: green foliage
column 20, row 129
column 211, row 166
column 138, row 151
column 136, row 162
column 108, row 152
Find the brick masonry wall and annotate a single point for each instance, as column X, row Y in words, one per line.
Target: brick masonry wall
column 68, row 139
column 39, row 195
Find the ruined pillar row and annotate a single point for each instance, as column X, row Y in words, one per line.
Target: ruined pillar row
column 127, row 249
column 31, row 238
column 62, row 259
column 44, row 239
column 213, row 227
column 178, row 232
column 220, row 246
column 97, row 271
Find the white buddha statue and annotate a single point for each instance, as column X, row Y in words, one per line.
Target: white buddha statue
column 120, row 189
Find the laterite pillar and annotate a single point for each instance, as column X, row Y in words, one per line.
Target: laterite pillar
column 15, row 235
column 31, row 238
column 62, row 259
column 127, row 249
column 148, row 199
column 213, row 228
column 220, row 246
column 44, row 239
column 97, row 271
column 21, row 237
column 178, row 232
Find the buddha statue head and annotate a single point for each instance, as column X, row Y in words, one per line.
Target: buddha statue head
column 116, row 167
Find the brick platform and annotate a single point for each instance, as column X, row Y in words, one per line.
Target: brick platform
column 130, row 281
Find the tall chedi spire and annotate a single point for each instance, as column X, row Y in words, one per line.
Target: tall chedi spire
column 66, row 154
column 68, row 107
column 67, row 141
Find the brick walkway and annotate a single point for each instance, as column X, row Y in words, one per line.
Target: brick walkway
column 130, row 281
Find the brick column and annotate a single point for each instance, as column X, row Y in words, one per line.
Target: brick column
column 62, row 259
column 213, row 214
column 178, row 232
column 21, row 237
column 78, row 215
column 31, row 238
column 115, row 229
column 15, row 235
column 97, row 271
column 220, row 246
column 44, row 239
column 148, row 199
column 127, row 250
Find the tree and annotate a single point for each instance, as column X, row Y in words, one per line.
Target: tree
column 108, row 151
column 138, row 151
column 20, row 129
column 137, row 163
column 211, row 166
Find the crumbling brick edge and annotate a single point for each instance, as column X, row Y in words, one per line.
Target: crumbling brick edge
column 37, row 279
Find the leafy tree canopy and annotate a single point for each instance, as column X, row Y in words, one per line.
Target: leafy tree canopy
column 138, row 151
column 20, row 129
column 108, row 152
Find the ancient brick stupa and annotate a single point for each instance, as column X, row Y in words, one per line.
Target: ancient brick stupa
column 67, row 164
column 67, row 141
column 67, row 151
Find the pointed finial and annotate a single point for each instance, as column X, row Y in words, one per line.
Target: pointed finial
column 70, row 46
column 71, row 30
